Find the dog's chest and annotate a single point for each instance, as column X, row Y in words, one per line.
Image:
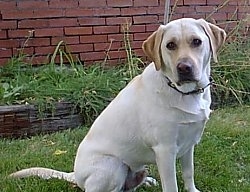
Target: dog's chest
column 188, row 134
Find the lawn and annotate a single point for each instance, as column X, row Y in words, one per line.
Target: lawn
column 222, row 158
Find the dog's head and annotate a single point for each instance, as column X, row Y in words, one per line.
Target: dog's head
column 182, row 50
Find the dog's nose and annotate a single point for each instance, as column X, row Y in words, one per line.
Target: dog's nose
column 184, row 68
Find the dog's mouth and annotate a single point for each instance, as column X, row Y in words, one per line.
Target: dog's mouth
column 187, row 81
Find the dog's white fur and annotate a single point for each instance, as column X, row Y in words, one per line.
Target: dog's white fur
column 150, row 122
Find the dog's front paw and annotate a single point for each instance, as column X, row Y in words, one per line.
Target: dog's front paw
column 150, row 181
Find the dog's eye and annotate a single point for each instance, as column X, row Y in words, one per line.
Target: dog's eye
column 171, row 46
column 196, row 42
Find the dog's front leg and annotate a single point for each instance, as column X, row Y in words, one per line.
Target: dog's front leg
column 188, row 170
column 166, row 163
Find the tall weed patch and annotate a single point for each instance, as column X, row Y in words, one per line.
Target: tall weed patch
column 232, row 73
column 89, row 88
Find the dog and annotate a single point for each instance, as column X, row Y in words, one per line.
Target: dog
column 158, row 117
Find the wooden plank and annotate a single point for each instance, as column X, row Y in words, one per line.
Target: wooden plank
column 25, row 120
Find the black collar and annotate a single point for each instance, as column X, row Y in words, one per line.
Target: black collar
column 196, row 91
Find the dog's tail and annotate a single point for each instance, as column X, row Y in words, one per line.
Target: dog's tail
column 44, row 173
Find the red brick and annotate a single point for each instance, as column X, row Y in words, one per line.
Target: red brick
column 90, row 56
column 36, row 42
column 106, row 46
column 63, row 22
column 106, row 29
column 139, row 53
column 118, row 54
column 120, row 3
column 18, row 33
column 33, row 23
column 38, row 60
column 243, row 16
column 136, row 44
column 79, row 12
column 3, row 61
column 133, row 11
column 91, row 21
column 93, row 39
column 29, row 51
column 152, row 27
column 140, row 3
column 113, row 62
column 156, row 10
column 17, row 14
column 63, row 3
column 229, row 9
column 172, row 2
column 141, row 36
column 195, row 15
column 8, row 24
column 116, row 37
column 48, row 13
column 145, row 19
column 219, row 16
column 233, row 2
column 229, row 26
column 3, row 34
column 107, row 12
column 161, row 19
column 67, row 40
column 244, row 9
column 204, row 9
column 78, row 30
column 48, row 32
column 137, row 28
column 214, row 2
column 5, row 53
column 7, row 5
column 81, row 48
column 232, row 16
column 32, row 4
column 91, row 3
column 118, row 20
column 196, row 2
column 176, row 16
column 184, row 9
column 9, row 43
column 48, row 50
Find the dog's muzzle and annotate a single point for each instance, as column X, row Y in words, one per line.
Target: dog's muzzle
column 185, row 70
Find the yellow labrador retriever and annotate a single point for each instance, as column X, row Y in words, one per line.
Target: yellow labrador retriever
column 158, row 117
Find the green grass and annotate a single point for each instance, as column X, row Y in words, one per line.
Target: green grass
column 222, row 158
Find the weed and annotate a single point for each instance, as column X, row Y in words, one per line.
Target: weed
column 132, row 62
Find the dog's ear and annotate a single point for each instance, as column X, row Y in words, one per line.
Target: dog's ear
column 216, row 35
column 152, row 47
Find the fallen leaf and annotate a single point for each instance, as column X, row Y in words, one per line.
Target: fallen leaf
column 59, row 152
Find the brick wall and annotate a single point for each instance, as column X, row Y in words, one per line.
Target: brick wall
column 93, row 29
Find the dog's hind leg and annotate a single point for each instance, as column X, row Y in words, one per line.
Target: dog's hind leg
column 134, row 179
column 105, row 174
